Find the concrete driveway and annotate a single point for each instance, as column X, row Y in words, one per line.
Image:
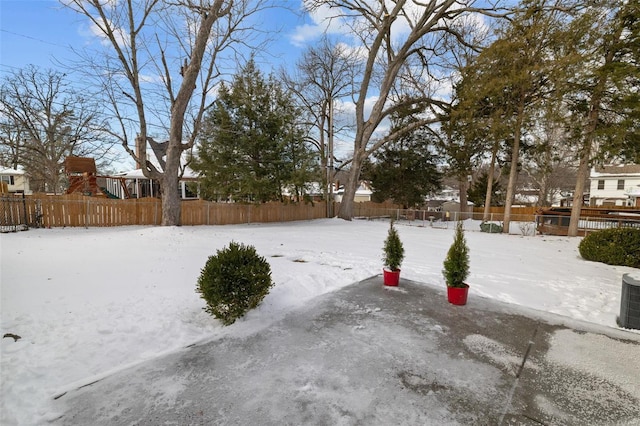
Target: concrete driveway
column 372, row 355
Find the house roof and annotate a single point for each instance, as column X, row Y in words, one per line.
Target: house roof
column 5, row 171
column 137, row 174
column 619, row 170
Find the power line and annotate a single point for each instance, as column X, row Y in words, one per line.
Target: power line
column 33, row 38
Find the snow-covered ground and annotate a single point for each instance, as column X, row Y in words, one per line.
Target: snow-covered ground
column 88, row 302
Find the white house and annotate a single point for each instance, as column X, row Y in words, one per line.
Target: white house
column 133, row 184
column 615, row 186
column 363, row 193
column 14, row 181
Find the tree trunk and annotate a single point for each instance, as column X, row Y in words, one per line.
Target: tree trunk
column 513, row 172
column 463, row 185
column 492, row 168
column 350, row 187
column 583, row 175
column 171, row 207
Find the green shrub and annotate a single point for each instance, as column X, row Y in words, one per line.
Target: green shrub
column 491, row 227
column 456, row 264
column 393, row 249
column 614, row 246
column 234, row 281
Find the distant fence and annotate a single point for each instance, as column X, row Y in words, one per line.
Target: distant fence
column 78, row 210
column 40, row 210
column 525, row 220
column 497, row 213
column 385, row 210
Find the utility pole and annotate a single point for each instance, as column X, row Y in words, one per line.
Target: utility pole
column 330, row 168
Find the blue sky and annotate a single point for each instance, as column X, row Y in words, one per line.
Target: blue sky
column 43, row 32
column 34, row 32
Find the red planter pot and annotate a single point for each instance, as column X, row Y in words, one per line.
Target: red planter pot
column 458, row 295
column 391, row 278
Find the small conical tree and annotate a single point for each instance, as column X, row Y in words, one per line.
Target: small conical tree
column 456, row 264
column 393, row 249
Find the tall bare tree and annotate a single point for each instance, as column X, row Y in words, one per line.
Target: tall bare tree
column 404, row 44
column 43, row 119
column 550, row 164
column 160, row 66
column 325, row 74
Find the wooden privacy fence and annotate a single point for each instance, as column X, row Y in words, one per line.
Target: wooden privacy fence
column 200, row 212
column 80, row 210
column 497, row 213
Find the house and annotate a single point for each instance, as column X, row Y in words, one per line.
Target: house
column 134, row 184
column 615, row 186
column 363, row 193
column 14, row 181
column 451, row 208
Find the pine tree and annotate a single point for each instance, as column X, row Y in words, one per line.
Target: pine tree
column 601, row 88
column 456, row 264
column 393, row 249
column 405, row 170
column 478, row 191
column 252, row 146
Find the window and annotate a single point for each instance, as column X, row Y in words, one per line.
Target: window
column 621, row 184
column 8, row 179
column 601, row 184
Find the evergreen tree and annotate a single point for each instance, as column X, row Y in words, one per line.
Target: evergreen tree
column 393, row 249
column 252, row 146
column 601, row 88
column 509, row 80
column 456, row 264
column 405, row 170
column 477, row 194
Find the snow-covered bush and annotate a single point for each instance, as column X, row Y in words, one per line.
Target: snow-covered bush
column 234, row 281
column 614, row 246
column 493, row 228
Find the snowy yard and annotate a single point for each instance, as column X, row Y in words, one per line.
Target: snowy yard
column 88, row 302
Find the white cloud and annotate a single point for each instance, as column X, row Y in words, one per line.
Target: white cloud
column 352, row 52
column 304, row 33
column 324, row 20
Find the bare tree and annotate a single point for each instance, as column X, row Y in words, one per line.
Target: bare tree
column 43, row 120
column 325, row 74
column 550, row 165
column 396, row 38
column 162, row 63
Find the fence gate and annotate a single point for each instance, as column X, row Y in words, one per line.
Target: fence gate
column 18, row 214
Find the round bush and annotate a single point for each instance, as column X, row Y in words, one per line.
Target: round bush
column 234, row 281
column 615, row 246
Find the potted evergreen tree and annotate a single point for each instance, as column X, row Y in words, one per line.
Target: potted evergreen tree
column 393, row 257
column 456, row 268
